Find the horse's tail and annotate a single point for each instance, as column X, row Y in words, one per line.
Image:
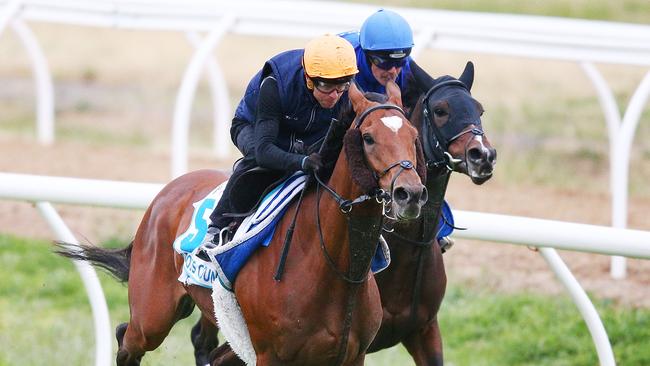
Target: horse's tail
column 115, row 261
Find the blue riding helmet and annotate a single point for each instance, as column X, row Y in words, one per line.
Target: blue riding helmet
column 386, row 30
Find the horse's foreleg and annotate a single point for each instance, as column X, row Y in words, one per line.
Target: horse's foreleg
column 205, row 340
column 425, row 346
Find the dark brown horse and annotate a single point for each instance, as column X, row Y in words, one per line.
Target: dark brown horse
column 448, row 119
column 413, row 286
column 326, row 310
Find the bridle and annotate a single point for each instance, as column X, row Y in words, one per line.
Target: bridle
column 435, row 151
column 383, row 197
column 345, row 205
column 356, row 230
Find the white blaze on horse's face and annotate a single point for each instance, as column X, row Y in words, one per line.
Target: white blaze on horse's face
column 393, row 122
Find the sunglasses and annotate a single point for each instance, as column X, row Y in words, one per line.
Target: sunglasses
column 326, row 88
column 385, row 63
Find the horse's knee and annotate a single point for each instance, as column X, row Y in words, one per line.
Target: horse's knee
column 127, row 354
column 119, row 333
column 195, row 333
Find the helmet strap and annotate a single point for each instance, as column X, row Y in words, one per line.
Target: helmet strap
column 309, row 82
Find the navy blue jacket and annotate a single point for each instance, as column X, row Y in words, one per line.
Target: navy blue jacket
column 303, row 121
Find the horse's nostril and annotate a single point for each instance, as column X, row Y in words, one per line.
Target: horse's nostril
column 474, row 154
column 400, row 194
column 492, row 156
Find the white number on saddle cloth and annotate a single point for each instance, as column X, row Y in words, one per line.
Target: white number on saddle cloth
column 194, row 236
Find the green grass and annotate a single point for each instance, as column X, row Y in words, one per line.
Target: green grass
column 45, row 319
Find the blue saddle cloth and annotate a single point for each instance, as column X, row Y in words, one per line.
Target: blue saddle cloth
column 254, row 232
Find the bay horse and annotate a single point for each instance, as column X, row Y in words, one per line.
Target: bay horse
column 448, row 120
column 326, row 309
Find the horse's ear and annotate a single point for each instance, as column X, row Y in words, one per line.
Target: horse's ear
column 359, row 101
column 467, row 77
column 394, row 93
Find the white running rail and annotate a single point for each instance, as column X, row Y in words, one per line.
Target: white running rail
column 583, row 41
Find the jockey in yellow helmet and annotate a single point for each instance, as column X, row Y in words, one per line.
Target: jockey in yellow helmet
column 290, row 102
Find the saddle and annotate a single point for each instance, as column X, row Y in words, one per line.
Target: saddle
column 252, row 186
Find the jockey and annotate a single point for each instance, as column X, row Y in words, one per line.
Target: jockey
column 290, row 102
column 383, row 47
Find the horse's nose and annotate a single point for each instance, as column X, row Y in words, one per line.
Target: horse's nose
column 482, row 157
column 406, row 195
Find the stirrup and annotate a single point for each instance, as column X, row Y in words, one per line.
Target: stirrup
column 224, row 235
column 219, row 238
column 445, row 243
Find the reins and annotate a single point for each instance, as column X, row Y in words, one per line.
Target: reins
column 361, row 230
column 345, row 205
column 357, row 231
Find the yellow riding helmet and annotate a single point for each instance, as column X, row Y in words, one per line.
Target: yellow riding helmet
column 330, row 57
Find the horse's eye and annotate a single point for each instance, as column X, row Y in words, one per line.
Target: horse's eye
column 368, row 139
column 439, row 112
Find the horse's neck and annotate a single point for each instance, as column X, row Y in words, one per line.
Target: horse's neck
column 365, row 217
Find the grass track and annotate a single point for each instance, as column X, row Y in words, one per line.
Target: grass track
column 44, row 315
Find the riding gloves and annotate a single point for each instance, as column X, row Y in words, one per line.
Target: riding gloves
column 312, row 162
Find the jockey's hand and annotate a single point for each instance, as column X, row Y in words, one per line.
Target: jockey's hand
column 312, row 163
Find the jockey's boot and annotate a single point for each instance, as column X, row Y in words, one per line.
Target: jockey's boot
column 220, row 236
column 445, row 243
column 213, row 238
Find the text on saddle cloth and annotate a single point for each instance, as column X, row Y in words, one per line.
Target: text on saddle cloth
column 256, row 230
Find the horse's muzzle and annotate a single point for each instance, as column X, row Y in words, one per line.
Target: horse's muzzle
column 408, row 201
column 480, row 163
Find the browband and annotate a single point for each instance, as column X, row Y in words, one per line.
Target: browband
column 365, row 113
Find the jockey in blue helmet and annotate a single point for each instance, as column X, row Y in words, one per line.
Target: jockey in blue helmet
column 383, row 46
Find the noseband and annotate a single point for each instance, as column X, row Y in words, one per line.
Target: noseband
column 436, row 153
column 346, row 205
